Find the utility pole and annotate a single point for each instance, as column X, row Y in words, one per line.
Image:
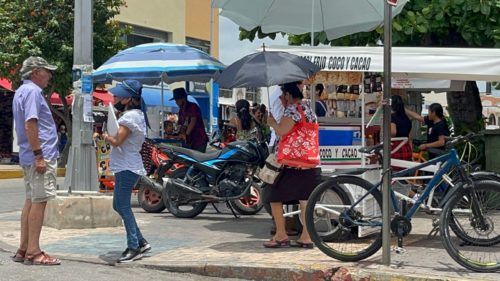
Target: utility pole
column 386, row 164
column 81, row 172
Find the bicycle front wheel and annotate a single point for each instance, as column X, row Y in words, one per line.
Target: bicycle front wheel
column 342, row 231
column 469, row 226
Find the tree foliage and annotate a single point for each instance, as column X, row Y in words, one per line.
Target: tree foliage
column 45, row 28
column 457, row 23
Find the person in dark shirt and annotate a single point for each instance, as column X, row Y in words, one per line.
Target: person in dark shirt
column 192, row 129
column 437, row 128
column 400, row 128
column 321, row 106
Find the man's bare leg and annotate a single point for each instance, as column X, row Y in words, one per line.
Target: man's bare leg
column 35, row 222
column 23, row 245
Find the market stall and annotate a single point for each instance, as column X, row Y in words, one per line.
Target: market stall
column 353, row 86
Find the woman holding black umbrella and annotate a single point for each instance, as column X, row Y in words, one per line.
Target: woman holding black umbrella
column 298, row 151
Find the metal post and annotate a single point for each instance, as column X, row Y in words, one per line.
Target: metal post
column 211, row 115
column 312, row 23
column 162, row 115
column 386, row 165
column 82, row 166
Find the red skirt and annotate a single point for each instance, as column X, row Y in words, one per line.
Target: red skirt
column 403, row 153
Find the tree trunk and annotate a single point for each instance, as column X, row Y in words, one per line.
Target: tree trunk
column 466, row 110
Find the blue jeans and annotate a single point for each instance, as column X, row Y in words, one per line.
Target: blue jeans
column 124, row 182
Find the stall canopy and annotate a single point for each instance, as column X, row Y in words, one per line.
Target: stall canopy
column 412, row 62
column 102, row 95
column 152, row 97
column 6, row 84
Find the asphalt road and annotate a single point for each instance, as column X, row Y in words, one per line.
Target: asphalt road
column 12, row 194
column 12, row 199
column 78, row 271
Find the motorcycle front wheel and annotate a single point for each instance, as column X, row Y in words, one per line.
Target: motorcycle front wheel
column 181, row 211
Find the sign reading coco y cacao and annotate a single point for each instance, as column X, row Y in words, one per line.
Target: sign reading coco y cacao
column 341, row 63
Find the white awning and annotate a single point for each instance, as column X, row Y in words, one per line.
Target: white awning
column 412, row 62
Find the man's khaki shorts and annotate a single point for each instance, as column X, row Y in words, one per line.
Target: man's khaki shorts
column 40, row 187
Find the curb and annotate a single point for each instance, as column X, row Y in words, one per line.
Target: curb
column 280, row 273
column 18, row 173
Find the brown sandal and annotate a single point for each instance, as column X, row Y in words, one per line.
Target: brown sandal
column 277, row 243
column 45, row 260
column 299, row 244
column 19, row 256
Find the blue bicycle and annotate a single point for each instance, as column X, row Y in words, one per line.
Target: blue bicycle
column 467, row 222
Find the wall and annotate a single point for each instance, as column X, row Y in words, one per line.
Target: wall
column 198, row 22
column 157, row 14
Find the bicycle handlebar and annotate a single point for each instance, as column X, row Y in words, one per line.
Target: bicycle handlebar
column 371, row 149
column 455, row 141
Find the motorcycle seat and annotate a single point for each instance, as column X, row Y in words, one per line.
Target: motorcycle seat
column 196, row 155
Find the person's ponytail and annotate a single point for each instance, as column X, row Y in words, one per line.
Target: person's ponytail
column 243, row 113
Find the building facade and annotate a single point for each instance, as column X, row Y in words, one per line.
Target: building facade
column 176, row 21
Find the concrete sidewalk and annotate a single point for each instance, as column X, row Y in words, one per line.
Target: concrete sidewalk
column 221, row 246
column 8, row 171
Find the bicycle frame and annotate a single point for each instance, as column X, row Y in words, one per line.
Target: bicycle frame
column 450, row 160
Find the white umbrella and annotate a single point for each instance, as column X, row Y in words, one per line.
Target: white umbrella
column 337, row 18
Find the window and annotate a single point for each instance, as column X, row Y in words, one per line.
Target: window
column 134, row 40
column 143, row 35
column 225, row 93
column 199, row 44
column 253, row 95
column 492, row 120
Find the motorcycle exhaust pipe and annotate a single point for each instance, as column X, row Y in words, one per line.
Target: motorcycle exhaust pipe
column 156, row 187
column 181, row 187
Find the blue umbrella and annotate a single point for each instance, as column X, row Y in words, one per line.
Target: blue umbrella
column 159, row 62
column 156, row 62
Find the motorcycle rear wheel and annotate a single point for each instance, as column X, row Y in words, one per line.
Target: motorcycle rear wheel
column 250, row 205
column 150, row 199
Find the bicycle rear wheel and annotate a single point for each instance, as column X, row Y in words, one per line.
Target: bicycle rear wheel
column 471, row 237
column 354, row 233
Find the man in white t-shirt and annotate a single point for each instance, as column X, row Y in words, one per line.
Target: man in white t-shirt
column 277, row 109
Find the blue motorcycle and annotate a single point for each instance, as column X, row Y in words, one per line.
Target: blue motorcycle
column 223, row 175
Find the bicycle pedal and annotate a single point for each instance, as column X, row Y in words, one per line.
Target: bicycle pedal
column 434, row 232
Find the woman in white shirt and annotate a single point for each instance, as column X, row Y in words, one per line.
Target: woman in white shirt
column 126, row 162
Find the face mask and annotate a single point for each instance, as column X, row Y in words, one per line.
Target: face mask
column 119, row 106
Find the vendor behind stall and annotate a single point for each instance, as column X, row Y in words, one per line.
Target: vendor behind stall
column 321, row 106
column 400, row 128
column 437, row 127
column 192, row 129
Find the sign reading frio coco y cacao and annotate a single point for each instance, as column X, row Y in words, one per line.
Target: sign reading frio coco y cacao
column 341, row 63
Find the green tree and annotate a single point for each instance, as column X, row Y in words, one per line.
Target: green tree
column 436, row 23
column 45, row 28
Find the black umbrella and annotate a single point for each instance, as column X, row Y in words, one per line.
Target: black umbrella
column 266, row 69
